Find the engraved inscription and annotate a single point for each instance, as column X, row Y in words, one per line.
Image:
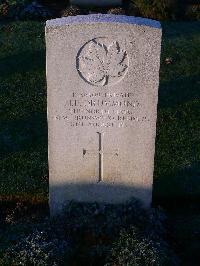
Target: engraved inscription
column 102, row 62
column 100, row 153
column 103, row 110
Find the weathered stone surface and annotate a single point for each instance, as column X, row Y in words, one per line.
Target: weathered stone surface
column 102, row 77
column 97, row 3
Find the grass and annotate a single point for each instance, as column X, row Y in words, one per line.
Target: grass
column 23, row 145
column 177, row 161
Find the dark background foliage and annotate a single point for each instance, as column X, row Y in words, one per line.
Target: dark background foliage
column 154, row 9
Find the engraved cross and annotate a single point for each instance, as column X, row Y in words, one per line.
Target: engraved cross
column 100, row 152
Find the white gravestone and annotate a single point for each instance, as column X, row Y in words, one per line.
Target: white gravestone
column 97, row 3
column 102, row 78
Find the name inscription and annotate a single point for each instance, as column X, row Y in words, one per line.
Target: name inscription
column 100, row 109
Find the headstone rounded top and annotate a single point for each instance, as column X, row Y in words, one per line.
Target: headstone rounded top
column 102, row 18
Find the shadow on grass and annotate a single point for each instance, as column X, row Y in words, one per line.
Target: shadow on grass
column 183, row 29
column 23, row 134
column 178, row 91
column 178, row 188
column 22, row 62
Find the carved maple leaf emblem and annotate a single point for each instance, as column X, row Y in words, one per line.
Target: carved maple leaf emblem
column 100, row 62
